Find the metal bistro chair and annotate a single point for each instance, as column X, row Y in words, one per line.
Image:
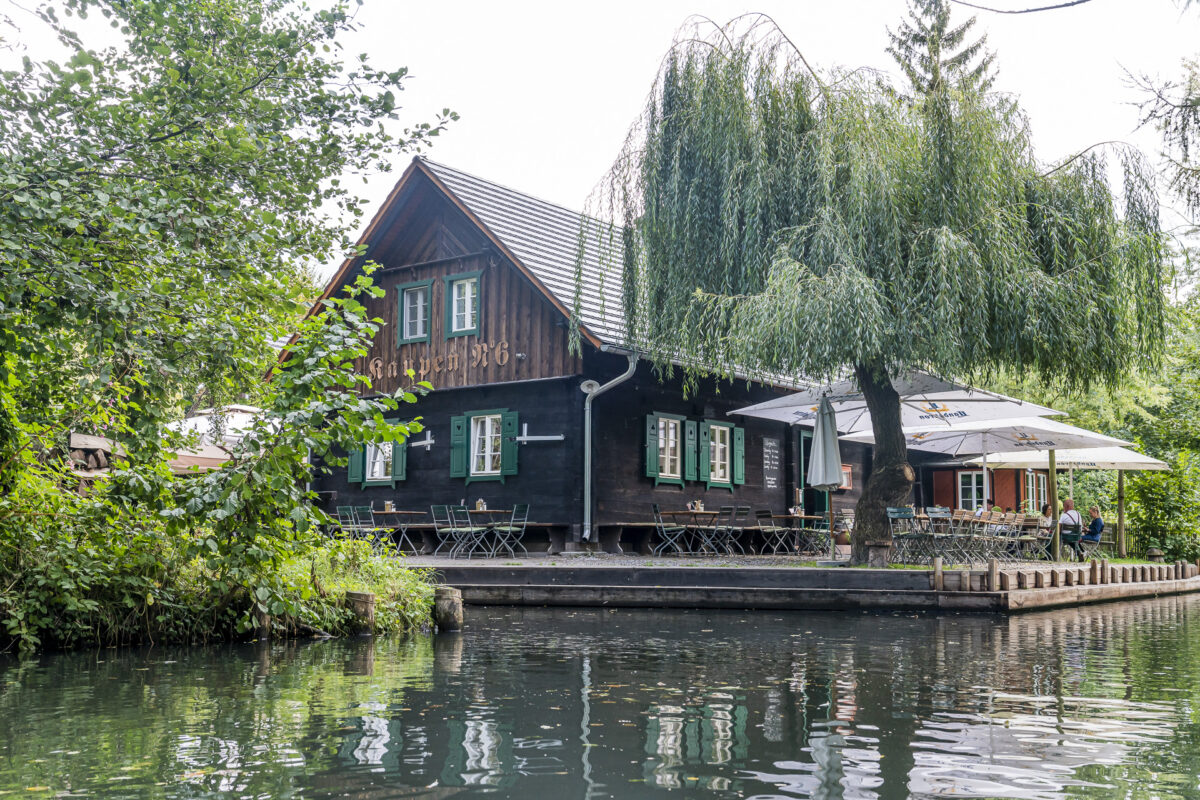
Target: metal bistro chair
column 1069, row 536
column 511, row 534
column 780, row 539
column 1029, row 543
column 467, row 535
column 902, row 526
column 669, row 536
column 364, row 517
column 345, row 519
column 732, row 535
column 443, row 527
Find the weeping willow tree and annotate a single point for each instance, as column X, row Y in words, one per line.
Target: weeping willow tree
column 780, row 222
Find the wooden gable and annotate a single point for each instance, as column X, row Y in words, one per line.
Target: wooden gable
column 425, row 237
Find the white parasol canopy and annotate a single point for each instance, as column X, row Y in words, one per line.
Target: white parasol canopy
column 998, row 435
column 924, row 400
column 1089, row 458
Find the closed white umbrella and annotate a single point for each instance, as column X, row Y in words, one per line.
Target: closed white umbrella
column 825, row 458
column 924, row 400
column 1000, row 435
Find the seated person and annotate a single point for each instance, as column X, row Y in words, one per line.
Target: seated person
column 1096, row 527
column 1070, row 518
column 1045, row 522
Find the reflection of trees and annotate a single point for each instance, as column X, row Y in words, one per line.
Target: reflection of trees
column 603, row 704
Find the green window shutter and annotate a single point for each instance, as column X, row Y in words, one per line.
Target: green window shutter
column 354, row 471
column 703, row 452
column 508, row 447
column 651, row 446
column 458, row 447
column 689, row 450
column 399, row 461
column 739, row 455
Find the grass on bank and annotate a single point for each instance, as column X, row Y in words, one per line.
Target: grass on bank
column 68, row 583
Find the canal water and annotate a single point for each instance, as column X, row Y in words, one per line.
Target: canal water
column 542, row 703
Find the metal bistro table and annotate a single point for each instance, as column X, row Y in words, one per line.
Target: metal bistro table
column 498, row 516
column 699, row 519
column 400, row 521
column 809, row 538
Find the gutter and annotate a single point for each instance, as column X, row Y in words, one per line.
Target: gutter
column 593, row 390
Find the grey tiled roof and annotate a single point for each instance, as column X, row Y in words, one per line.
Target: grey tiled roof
column 545, row 238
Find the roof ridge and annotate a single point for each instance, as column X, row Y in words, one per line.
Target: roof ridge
column 501, row 186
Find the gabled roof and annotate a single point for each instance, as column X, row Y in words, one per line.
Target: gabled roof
column 545, row 239
column 540, row 238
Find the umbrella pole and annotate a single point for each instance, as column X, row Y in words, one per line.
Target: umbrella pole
column 1122, row 552
column 832, row 539
column 1052, row 487
column 986, row 482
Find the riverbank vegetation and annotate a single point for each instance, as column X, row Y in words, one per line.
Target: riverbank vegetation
column 165, row 184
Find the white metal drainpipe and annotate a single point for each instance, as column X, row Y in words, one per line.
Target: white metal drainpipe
column 593, row 390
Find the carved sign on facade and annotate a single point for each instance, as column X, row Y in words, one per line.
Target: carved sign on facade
column 478, row 355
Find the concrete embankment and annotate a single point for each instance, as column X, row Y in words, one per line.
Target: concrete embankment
column 1001, row 590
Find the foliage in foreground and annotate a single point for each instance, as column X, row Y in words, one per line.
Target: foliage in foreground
column 80, row 584
column 145, row 555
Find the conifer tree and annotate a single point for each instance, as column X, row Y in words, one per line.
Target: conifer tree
column 931, row 52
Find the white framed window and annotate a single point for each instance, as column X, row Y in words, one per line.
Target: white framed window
column 485, row 445
column 847, row 477
column 464, row 305
column 720, row 463
column 414, row 310
column 970, row 490
column 670, row 448
column 1035, row 491
column 378, row 462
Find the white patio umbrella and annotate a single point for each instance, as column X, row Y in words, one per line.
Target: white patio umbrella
column 998, row 435
column 1096, row 458
column 1088, row 458
column 924, row 400
column 825, row 458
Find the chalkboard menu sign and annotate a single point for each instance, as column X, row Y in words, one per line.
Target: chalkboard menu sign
column 772, row 451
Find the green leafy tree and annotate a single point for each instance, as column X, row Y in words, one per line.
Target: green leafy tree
column 932, row 54
column 788, row 222
column 159, row 199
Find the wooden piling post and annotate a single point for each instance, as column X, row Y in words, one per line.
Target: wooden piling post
column 447, row 608
column 363, row 606
column 993, row 575
column 939, row 579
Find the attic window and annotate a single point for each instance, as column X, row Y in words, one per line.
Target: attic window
column 462, row 305
column 414, row 312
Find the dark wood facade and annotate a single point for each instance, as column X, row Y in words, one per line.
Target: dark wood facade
column 519, row 361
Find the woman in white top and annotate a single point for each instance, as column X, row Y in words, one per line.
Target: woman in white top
column 1045, row 522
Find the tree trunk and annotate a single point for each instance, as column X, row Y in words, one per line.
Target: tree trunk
column 891, row 478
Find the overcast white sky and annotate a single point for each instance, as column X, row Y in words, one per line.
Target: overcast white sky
column 547, row 90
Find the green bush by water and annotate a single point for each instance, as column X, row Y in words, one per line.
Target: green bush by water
column 68, row 579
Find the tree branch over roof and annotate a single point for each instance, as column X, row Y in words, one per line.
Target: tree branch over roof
column 1021, row 10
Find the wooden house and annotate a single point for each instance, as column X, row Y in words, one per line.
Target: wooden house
column 479, row 282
